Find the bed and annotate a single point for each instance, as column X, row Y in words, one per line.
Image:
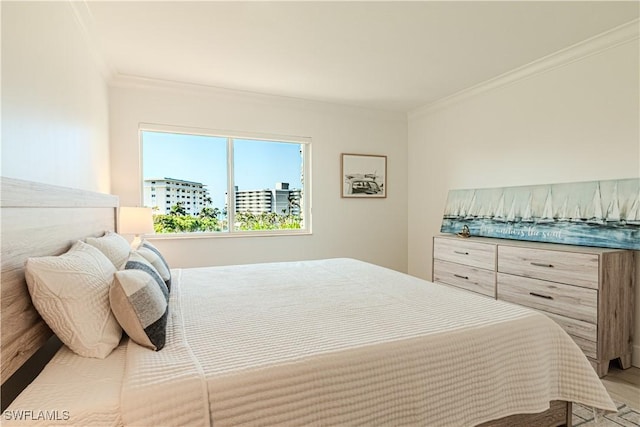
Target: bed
column 319, row 342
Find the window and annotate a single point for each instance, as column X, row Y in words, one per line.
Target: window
column 265, row 177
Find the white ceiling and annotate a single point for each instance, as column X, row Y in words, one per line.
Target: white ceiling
column 385, row 55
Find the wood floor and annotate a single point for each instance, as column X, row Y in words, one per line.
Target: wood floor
column 624, row 385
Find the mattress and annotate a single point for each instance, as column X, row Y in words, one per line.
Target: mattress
column 335, row 342
column 72, row 390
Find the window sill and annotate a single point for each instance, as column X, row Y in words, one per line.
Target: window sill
column 227, row 235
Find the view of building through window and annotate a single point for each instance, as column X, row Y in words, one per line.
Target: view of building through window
column 187, row 182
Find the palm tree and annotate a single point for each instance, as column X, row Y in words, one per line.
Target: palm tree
column 207, row 212
column 294, row 202
column 178, row 209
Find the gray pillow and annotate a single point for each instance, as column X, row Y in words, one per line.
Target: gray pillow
column 153, row 255
column 139, row 300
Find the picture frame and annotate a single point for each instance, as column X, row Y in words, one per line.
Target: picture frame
column 602, row 213
column 363, row 176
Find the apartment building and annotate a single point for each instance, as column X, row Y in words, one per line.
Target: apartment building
column 163, row 193
column 280, row 199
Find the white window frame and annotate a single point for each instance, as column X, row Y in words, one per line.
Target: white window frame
column 230, row 135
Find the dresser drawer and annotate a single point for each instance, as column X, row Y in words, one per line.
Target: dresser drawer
column 589, row 348
column 584, row 334
column 462, row 276
column 461, row 251
column 576, row 328
column 580, row 269
column 571, row 301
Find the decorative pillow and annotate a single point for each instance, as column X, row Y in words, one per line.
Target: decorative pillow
column 139, row 300
column 114, row 246
column 71, row 293
column 153, row 255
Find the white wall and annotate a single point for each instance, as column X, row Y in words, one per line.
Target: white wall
column 576, row 122
column 373, row 230
column 54, row 99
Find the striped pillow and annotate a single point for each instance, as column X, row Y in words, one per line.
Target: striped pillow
column 139, row 300
column 153, row 255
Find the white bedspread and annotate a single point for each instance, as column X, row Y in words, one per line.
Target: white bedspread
column 72, row 390
column 342, row 342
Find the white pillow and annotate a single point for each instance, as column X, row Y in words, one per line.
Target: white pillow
column 114, row 246
column 71, row 293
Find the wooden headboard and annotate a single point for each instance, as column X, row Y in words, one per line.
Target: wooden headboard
column 38, row 220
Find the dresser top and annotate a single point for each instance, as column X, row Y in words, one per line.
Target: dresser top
column 531, row 244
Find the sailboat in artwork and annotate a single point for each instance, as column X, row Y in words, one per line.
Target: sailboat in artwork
column 472, row 207
column 633, row 216
column 562, row 216
column 456, row 210
column 452, row 211
column 597, row 218
column 526, row 216
column 462, row 213
column 576, row 217
column 547, row 212
column 488, row 213
column 499, row 216
column 613, row 211
column 511, row 216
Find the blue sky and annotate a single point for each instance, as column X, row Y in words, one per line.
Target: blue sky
column 258, row 164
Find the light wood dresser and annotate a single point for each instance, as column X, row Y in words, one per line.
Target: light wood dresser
column 588, row 291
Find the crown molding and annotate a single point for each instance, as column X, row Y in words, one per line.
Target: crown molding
column 138, row 82
column 610, row 39
column 86, row 24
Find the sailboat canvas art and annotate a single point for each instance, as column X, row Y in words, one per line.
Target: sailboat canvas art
column 595, row 213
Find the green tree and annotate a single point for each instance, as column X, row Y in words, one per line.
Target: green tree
column 164, row 223
column 294, row 203
column 178, row 209
column 208, row 212
column 207, row 221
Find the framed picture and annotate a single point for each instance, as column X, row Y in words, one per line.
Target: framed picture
column 364, row 175
column 593, row 213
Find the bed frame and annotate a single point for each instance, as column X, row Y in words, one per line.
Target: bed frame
column 38, row 220
column 41, row 219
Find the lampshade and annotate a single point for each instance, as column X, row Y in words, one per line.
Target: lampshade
column 135, row 221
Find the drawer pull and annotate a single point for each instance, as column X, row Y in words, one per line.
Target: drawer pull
column 541, row 264
column 540, row 295
column 461, row 277
column 461, row 253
